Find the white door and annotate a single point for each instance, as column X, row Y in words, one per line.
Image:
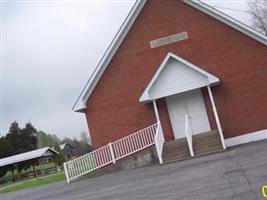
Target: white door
column 192, row 104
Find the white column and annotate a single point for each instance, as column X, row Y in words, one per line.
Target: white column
column 218, row 123
column 159, row 137
column 156, row 111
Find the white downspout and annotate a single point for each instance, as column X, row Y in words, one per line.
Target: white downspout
column 218, row 123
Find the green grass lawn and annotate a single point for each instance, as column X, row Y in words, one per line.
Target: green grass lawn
column 24, row 184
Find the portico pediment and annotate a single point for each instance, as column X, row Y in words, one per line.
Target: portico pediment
column 176, row 75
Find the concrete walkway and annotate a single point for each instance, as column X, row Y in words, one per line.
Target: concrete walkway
column 238, row 173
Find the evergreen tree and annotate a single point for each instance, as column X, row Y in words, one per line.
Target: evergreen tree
column 14, row 139
column 29, row 134
column 3, row 154
column 20, row 141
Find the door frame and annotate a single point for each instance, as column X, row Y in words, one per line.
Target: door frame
column 190, row 103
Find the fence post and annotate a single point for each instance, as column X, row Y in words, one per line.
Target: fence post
column 66, row 172
column 112, row 152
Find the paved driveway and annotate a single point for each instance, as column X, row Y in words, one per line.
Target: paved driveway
column 235, row 174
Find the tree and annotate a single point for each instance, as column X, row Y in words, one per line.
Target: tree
column 5, row 148
column 85, row 143
column 14, row 138
column 59, row 159
column 20, row 141
column 28, row 135
column 258, row 12
column 2, row 148
column 5, row 151
column 45, row 139
column 3, row 154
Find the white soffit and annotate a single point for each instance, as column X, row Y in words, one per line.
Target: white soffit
column 176, row 75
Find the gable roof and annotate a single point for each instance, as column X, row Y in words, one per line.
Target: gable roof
column 45, row 151
column 62, row 146
column 80, row 106
column 176, row 75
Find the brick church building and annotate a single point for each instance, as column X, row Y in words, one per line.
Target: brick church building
column 179, row 62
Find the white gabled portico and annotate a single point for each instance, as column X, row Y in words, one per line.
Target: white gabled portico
column 180, row 83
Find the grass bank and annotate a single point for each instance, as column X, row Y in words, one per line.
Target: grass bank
column 24, row 184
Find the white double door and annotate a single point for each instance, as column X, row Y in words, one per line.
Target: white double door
column 189, row 103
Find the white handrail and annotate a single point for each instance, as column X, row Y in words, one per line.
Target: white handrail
column 188, row 132
column 159, row 142
column 112, row 152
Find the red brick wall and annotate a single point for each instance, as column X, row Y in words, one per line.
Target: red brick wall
column 239, row 61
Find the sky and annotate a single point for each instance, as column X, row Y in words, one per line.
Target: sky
column 49, row 50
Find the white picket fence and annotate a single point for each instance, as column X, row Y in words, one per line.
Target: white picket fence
column 114, row 151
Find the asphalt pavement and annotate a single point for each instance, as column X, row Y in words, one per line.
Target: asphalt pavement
column 235, row 174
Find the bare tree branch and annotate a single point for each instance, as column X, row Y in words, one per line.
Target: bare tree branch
column 258, row 12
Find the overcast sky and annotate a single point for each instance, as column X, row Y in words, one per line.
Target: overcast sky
column 50, row 49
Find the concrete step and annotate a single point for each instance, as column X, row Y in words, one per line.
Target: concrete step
column 204, row 134
column 206, row 146
column 207, row 142
column 175, row 150
column 211, row 151
column 175, row 159
column 208, row 139
column 180, row 155
column 203, row 144
column 179, row 147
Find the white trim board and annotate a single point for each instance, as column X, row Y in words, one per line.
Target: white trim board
column 249, row 137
